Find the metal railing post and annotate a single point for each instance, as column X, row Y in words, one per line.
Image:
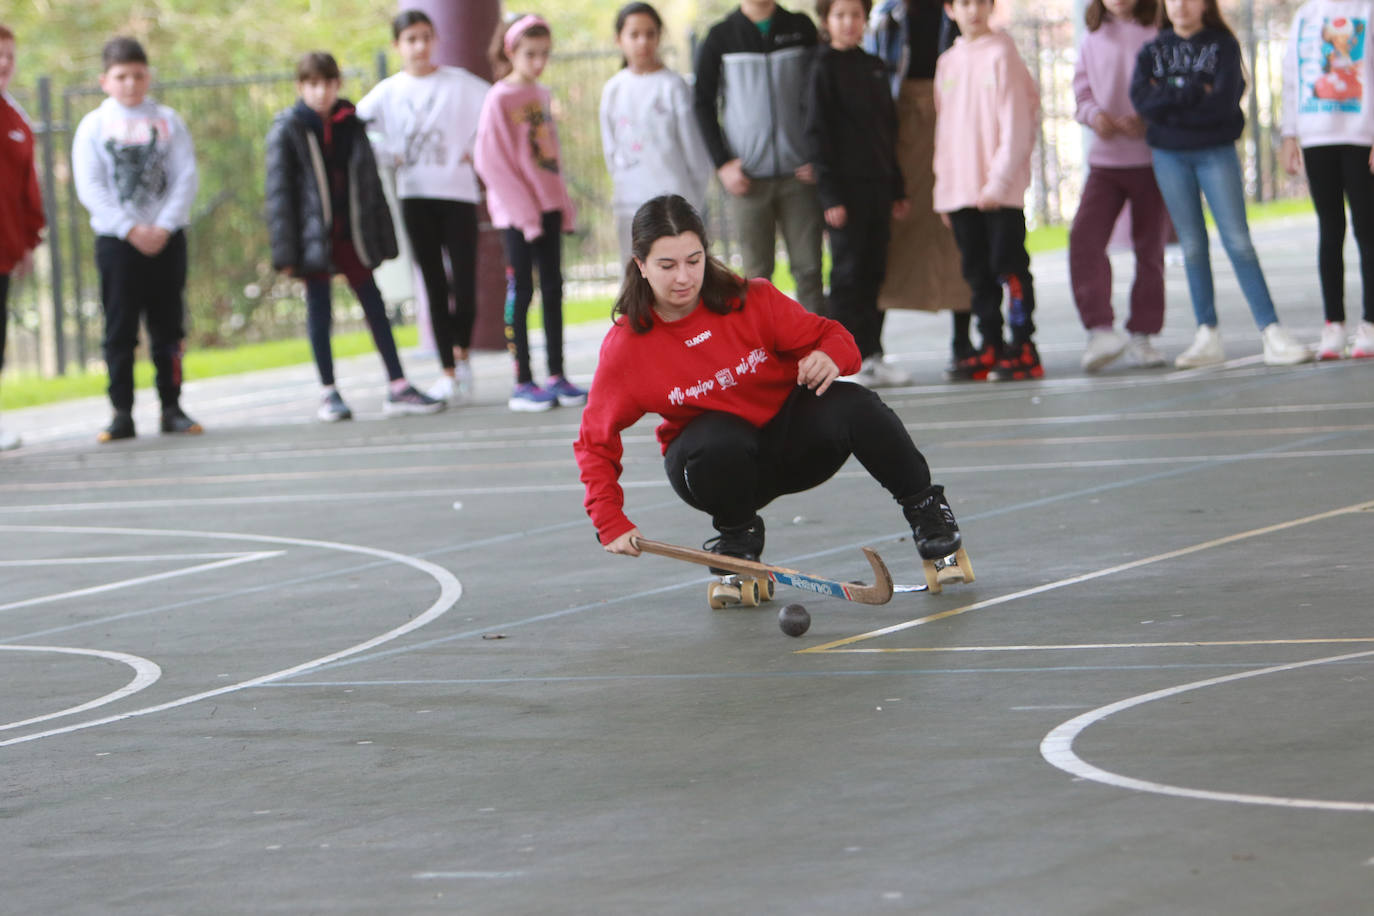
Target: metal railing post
column 50, row 209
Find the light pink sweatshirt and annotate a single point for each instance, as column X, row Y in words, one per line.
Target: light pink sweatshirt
column 1102, row 82
column 987, row 109
column 517, row 158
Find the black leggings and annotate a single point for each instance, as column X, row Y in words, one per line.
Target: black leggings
column 319, row 319
column 1336, row 174
column 435, row 227
column 521, row 259
column 727, row 467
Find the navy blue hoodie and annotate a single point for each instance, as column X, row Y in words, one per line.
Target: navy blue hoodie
column 1188, row 90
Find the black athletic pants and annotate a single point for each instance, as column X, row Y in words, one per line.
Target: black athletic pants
column 728, row 468
column 134, row 286
column 545, row 252
column 319, row 321
column 992, row 246
column 1335, row 175
column 435, row 227
column 858, row 254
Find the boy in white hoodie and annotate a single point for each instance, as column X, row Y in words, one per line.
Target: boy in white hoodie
column 135, row 171
column 1328, row 125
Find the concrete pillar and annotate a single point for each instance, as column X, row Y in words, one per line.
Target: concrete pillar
column 465, row 28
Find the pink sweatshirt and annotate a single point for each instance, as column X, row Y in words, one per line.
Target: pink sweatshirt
column 1102, row 82
column 517, row 158
column 987, row 109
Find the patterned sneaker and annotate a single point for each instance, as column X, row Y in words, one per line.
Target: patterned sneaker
column 527, row 397
column 1205, row 350
column 332, row 408
column 1363, row 347
column 121, row 427
column 1141, row 351
column 1332, row 345
column 174, row 420
column 1104, row 345
column 974, row 366
column 568, row 394
column 408, row 401
column 1281, row 349
column 1021, row 362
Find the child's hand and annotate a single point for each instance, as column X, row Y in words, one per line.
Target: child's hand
column 733, row 179
column 944, row 218
column 987, row 203
column 625, row 544
column 1291, row 156
column 901, row 209
column 1104, row 126
column 149, row 240
column 1132, row 125
column 816, row 371
column 806, row 173
column 836, row 217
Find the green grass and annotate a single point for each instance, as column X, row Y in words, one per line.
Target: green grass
column 32, row 390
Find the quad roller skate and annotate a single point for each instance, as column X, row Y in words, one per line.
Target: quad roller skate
column 744, row 542
column 937, row 538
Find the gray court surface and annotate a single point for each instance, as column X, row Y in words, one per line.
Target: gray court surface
column 384, row 667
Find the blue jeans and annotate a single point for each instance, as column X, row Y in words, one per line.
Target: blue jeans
column 1183, row 177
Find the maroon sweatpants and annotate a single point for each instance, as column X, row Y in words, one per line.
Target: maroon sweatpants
column 1090, row 271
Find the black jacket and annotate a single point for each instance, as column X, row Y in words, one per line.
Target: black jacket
column 318, row 191
column 851, row 126
column 1188, row 90
column 758, row 85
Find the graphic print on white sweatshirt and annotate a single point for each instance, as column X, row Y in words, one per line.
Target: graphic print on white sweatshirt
column 140, row 161
column 1330, row 56
column 728, row 377
column 424, row 145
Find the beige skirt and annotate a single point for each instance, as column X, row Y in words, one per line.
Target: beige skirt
column 923, row 263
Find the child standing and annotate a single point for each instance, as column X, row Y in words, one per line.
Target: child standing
column 1119, row 172
column 424, row 119
column 517, row 158
column 649, row 133
column 327, row 214
column 851, row 125
column 1187, row 85
column 135, row 171
column 986, row 107
column 21, row 205
column 1328, row 125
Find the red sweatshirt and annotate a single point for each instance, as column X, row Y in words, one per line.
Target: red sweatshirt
column 21, row 204
column 744, row 363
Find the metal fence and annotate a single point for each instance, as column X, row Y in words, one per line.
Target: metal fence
column 233, row 296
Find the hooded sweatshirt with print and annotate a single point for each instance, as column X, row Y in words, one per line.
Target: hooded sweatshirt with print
column 1188, row 90
column 1328, row 75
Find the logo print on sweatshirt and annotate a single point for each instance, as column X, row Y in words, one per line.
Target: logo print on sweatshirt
column 1331, row 55
column 543, row 139
column 424, row 145
column 140, row 168
column 727, row 377
column 699, row 339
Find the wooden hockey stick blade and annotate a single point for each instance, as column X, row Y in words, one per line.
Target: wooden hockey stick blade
column 880, row 592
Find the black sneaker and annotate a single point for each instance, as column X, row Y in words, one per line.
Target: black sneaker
column 121, row 427
column 975, row 365
column 408, row 400
column 333, row 409
column 933, row 527
column 174, row 420
column 744, row 542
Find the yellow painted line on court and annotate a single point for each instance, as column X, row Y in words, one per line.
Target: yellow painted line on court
column 1088, row 577
column 1197, row 643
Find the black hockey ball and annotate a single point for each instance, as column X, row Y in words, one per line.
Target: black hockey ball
column 794, row 620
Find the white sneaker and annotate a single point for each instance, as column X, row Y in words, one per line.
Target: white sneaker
column 1205, row 350
column 1280, row 349
column 445, row 390
column 9, row 440
column 1332, row 345
column 1104, row 345
column 1141, row 352
column 1363, row 347
column 462, row 383
column 885, row 374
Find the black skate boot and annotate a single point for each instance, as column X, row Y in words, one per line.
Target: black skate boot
column 744, row 542
column 121, row 427
column 937, row 538
column 174, row 420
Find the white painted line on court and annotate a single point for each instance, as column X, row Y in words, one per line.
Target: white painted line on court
column 136, row 558
column 141, row 580
column 460, row 875
column 450, row 590
column 1057, row 746
column 146, row 673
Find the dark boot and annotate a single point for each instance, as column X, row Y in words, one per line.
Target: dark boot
column 174, row 420
column 933, row 527
column 121, row 427
column 744, row 542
